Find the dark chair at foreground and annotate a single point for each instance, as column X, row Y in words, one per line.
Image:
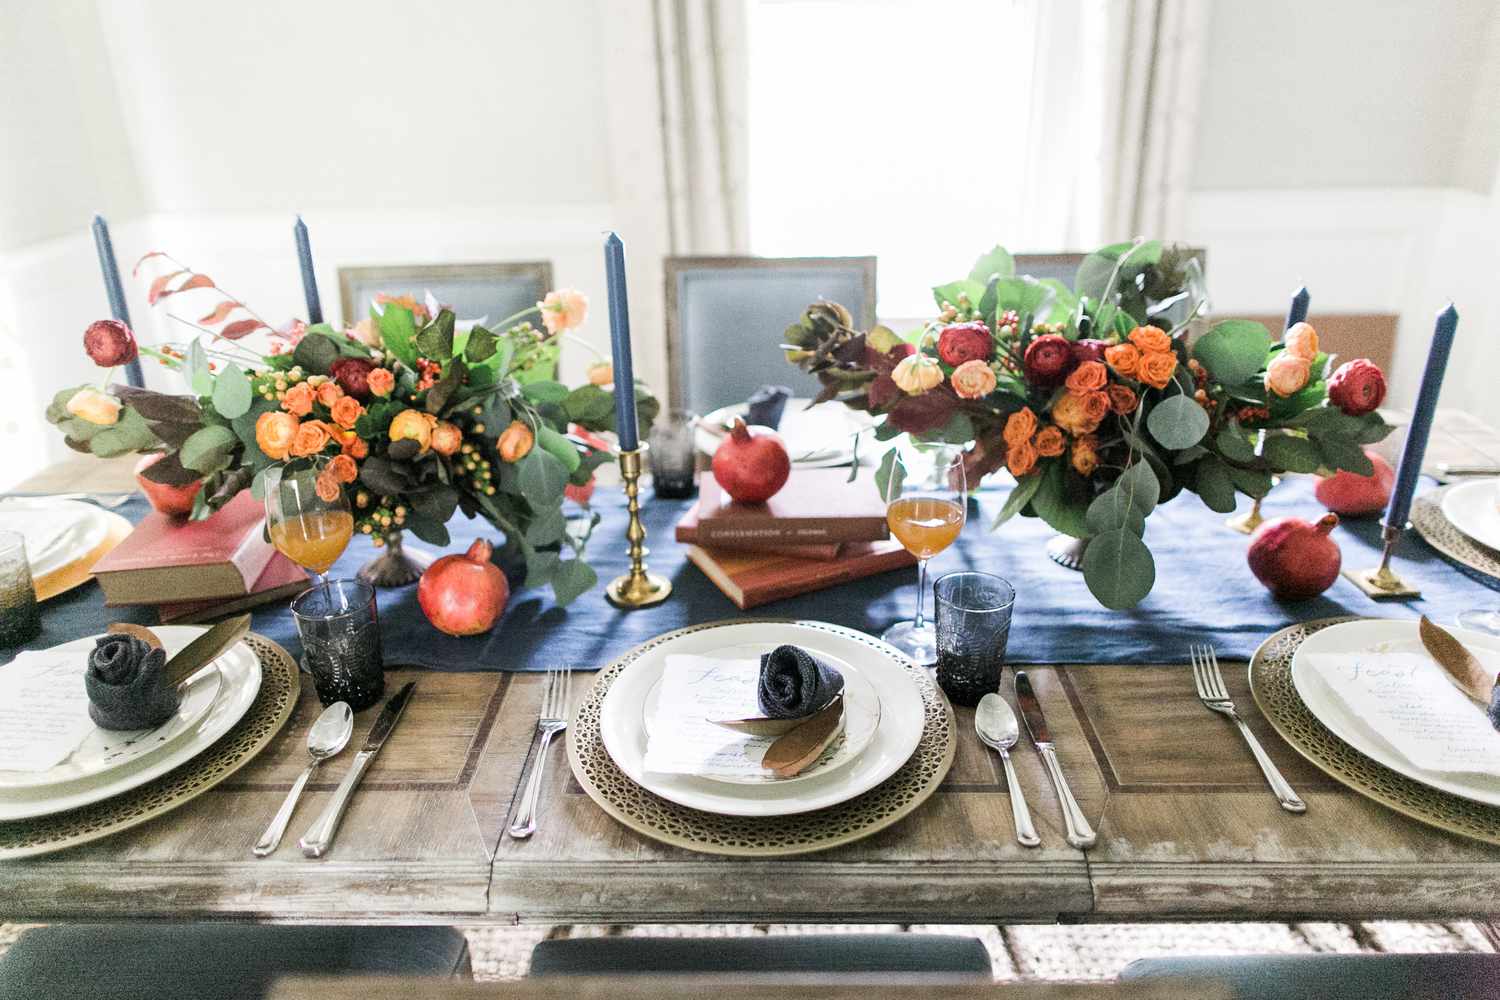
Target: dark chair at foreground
column 1326, row 977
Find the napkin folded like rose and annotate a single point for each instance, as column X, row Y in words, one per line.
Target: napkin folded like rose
column 766, row 404
column 794, row 683
column 127, row 684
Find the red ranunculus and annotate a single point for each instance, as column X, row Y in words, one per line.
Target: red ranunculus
column 1049, row 359
column 109, row 342
column 962, row 342
column 1357, row 387
column 1088, row 350
column 352, row 375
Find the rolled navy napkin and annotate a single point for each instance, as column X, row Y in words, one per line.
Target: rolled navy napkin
column 765, row 405
column 127, row 684
column 794, row 683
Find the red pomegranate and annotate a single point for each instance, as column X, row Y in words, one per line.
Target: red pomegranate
column 464, row 594
column 1349, row 494
column 751, row 464
column 1294, row 559
column 173, row 501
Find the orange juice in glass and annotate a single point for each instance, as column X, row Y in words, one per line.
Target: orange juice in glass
column 926, row 518
column 309, row 529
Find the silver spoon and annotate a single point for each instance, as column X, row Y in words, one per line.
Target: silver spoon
column 997, row 726
column 328, row 735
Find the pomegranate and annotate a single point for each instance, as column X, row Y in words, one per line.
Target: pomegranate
column 751, row 464
column 464, row 594
column 1294, row 559
column 1349, row 494
column 173, row 501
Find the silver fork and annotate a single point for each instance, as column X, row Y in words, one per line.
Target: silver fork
column 1213, row 694
column 552, row 720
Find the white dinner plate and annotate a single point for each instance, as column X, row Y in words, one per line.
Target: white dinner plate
column 57, row 532
column 861, row 720
column 1474, row 509
column 895, row 739
column 822, row 437
column 240, row 676
column 1394, row 636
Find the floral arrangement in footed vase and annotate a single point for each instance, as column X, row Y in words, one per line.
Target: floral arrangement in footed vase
column 417, row 415
column 1099, row 399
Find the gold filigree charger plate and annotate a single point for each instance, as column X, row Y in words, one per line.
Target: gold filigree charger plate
column 261, row 722
column 760, row 836
column 1433, row 525
column 1279, row 702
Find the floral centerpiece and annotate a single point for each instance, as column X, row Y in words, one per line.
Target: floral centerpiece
column 415, row 414
column 1098, row 399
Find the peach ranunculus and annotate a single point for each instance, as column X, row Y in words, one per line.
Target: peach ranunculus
column 343, row 469
column 312, row 437
column 1302, row 341
column 327, row 486
column 1096, row 406
column 1050, row 442
column 329, row 393
column 346, row 410
column 916, row 373
column 274, row 432
column 1156, row 368
column 380, row 381
column 1020, row 458
column 973, row 380
column 601, row 373
column 1071, row 413
column 563, row 309
column 1150, row 339
column 515, row 442
column 95, row 407
column 446, row 438
column 1087, row 377
column 412, row 425
column 1287, row 373
column 1123, row 358
column 1019, row 426
column 298, row 400
column 1085, row 457
column 1122, row 399
column 367, row 332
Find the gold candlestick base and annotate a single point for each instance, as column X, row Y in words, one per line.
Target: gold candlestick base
column 638, row 588
column 1381, row 583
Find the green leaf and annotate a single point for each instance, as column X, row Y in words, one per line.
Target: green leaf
column 1026, row 488
column 397, row 331
column 1141, row 487
column 231, row 392
column 1113, row 510
column 890, row 476
column 997, row 262
column 590, row 405
column 1233, row 443
column 129, row 433
column 547, row 527
column 316, row 353
column 545, row 391
column 950, row 292
column 208, row 449
column 1064, row 303
column 559, row 447
column 481, row 344
column 1054, row 504
column 199, row 377
column 540, row 566
column 428, row 530
column 541, row 478
column 1234, row 351
column 1118, row 569
column 1214, row 486
column 436, row 339
column 1251, row 482
column 571, row 579
column 1025, row 295
column 57, row 410
column 1341, row 454
column 1177, row 422
column 1291, row 454
column 439, row 395
column 958, row 430
column 436, row 504
column 384, row 476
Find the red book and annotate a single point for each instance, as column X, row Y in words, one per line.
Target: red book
column 687, row 534
column 815, row 507
column 166, row 559
column 281, row 579
column 750, row 579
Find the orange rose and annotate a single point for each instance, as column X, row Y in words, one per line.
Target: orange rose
column 973, row 380
column 380, row 381
column 1150, row 339
column 343, row 469
column 413, row 425
column 446, row 438
column 346, row 411
column 274, row 433
column 1087, row 377
column 352, row 444
column 1020, row 458
column 95, row 407
column 1019, row 426
column 328, row 393
column 1085, row 457
column 312, row 437
column 327, row 486
column 1122, row 399
column 515, row 442
column 1123, row 358
column 1287, row 373
column 1302, row 341
column 1071, row 413
column 1096, row 406
column 1050, row 442
column 298, row 400
column 1156, row 368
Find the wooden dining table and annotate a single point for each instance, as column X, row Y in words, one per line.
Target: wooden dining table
column 1187, row 829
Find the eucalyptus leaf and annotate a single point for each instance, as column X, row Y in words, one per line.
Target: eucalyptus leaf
column 1054, row 503
column 1026, row 488
column 208, row 450
column 1214, row 485
column 1177, row 422
column 559, row 447
column 1140, row 486
column 540, row 566
column 129, row 433
column 1233, row 443
column 1251, row 482
column 1234, row 351
column 1113, row 510
column 199, row 377
column 571, row 579
column 231, row 393
column 546, row 528
column 541, row 478
column 1118, row 569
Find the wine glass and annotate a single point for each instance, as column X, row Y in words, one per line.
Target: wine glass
column 309, row 527
column 925, row 516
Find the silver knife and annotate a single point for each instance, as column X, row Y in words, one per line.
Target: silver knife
column 319, row 836
column 1080, row 834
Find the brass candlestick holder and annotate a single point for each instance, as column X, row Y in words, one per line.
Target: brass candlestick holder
column 1247, row 523
column 638, row 588
column 1381, row 583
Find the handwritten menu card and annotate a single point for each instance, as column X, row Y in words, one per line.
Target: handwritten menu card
column 695, row 689
column 44, row 709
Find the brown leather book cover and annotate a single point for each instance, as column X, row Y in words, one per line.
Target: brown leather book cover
column 687, row 534
column 751, row 579
column 280, row 580
column 815, row 507
column 166, row 559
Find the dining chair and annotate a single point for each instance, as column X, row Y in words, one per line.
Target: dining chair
column 1314, row 977
column 726, row 316
column 494, row 290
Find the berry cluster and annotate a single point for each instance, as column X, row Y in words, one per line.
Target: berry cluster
column 378, row 520
column 428, row 373
column 964, row 312
column 1248, row 415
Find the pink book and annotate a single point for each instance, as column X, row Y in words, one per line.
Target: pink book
column 167, row 559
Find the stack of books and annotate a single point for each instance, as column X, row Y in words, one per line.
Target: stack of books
column 196, row 571
column 820, row 530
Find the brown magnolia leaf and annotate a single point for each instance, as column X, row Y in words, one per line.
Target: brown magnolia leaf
column 136, row 271
column 221, row 312
column 159, row 286
column 241, row 328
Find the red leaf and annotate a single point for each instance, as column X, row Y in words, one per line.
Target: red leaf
column 136, row 271
column 197, row 281
column 241, row 328
column 159, row 287
column 221, row 312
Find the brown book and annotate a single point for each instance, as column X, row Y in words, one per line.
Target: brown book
column 815, row 507
column 166, row 560
column 751, row 579
column 280, row 580
column 687, row 534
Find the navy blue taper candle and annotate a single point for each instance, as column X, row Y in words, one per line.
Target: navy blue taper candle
column 309, row 280
column 114, row 291
column 1410, row 466
column 619, row 341
column 1298, row 312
